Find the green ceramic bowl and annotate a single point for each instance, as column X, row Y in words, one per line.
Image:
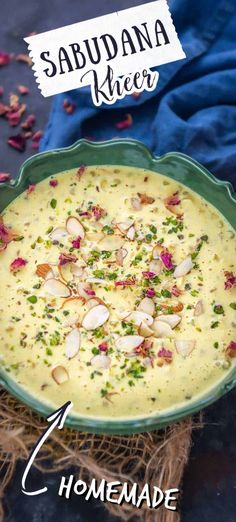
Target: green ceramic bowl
column 133, row 153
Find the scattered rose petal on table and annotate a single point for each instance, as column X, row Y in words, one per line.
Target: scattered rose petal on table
column 4, row 58
column 4, row 176
column 18, row 142
column 22, row 89
column 24, row 58
column 125, row 123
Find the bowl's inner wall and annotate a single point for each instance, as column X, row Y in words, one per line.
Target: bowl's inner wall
column 127, row 153
column 177, row 166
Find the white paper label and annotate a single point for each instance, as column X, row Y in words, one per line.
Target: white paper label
column 98, row 52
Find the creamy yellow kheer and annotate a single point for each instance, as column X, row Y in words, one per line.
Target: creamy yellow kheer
column 118, row 292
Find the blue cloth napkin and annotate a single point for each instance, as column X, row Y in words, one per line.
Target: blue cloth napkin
column 192, row 110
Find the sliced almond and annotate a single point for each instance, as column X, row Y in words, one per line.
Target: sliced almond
column 72, row 321
column 156, row 251
column 58, row 234
column 144, row 330
column 52, row 273
column 57, row 288
column 171, row 319
column 123, row 314
column 139, row 317
column 125, row 225
column 147, row 361
column 184, row 348
column 95, row 236
column 101, row 361
column 60, row 374
column 136, row 204
column 95, row 317
column 95, row 280
column 184, row 267
column 77, row 271
column 198, row 309
column 120, row 256
column 94, row 302
column 162, row 329
column 131, row 233
column 64, row 270
column 74, row 227
column 71, row 299
column 42, row 270
column 174, row 210
column 147, row 306
column 155, row 266
column 112, row 242
column 73, row 340
column 128, row 343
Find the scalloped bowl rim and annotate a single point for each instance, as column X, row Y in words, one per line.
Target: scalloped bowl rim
column 155, row 420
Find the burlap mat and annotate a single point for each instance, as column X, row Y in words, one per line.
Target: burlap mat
column 157, row 458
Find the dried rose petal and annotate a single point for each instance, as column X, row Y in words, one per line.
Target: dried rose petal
column 4, row 58
column 175, row 291
column 31, row 188
column 172, row 200
column 103, row 347
column 84, row 213
column 148, row 275
column 144, row 348
column 4, row 232
column 81, row 171
column 18, row 142
column 35, row 145
column 29, row 122
column 24, row 58
column 230, row 280
column 6, row 235
column 13, row 118
column 166, row 258
column 127, row 282
column 17, row 264
column 27, row 134
column 4, row 176
column 126, row 123
column 98, row 212
column 37, row 135
column 53, row 182
column 150, row 292
column 66, row 258
column 136, row 95
column 68, row 106
column 89, row 291
column 22, row 89
column 165, row 354
column 231, row 349
column 76, row 242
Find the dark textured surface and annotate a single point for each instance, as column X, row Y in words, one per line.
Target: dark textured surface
column 209, row 489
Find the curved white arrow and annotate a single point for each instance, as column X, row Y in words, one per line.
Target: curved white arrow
column 57, row 418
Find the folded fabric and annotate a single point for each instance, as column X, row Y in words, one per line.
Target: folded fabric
column 192, row 110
